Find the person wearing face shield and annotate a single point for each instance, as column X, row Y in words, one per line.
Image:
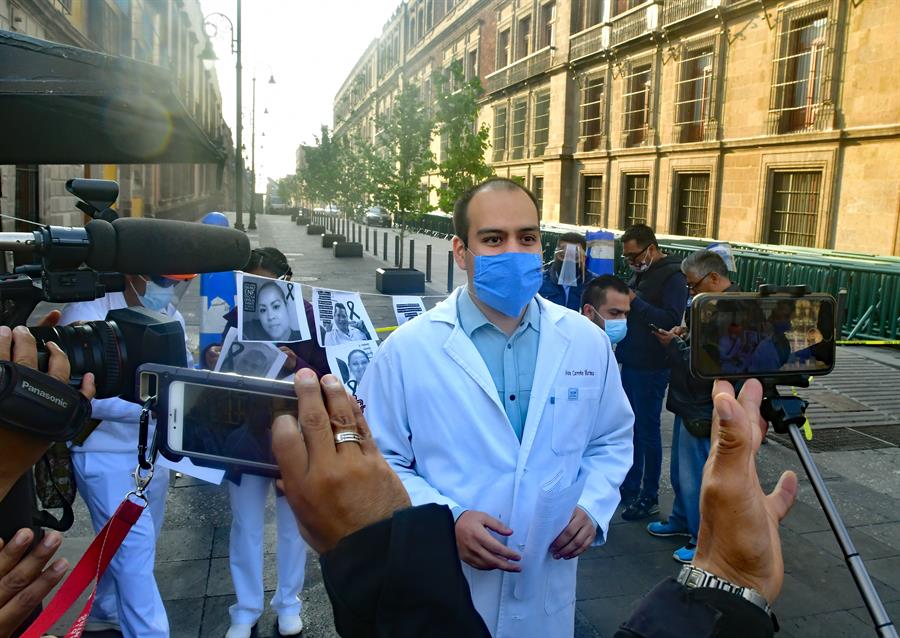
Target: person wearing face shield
column 658, row 297
column 509, row 410
column 690, row 400
column 565, row 277
column 128, row 598
column 606, row 302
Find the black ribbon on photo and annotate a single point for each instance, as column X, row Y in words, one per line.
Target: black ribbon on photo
column 289, row 295
column 353, row 314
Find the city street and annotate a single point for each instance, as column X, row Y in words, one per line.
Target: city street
column 855, row 414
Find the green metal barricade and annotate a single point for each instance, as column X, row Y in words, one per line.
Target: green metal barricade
column 872, row 281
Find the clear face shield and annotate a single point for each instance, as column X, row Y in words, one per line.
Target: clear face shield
column 568, row 272
column 162, row 290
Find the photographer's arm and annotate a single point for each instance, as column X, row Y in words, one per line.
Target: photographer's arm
column 22, row 450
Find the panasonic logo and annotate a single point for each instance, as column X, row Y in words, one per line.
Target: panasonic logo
column 45, row 395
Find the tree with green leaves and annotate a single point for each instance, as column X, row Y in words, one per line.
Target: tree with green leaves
column 405, row 160
column 288, row 189
column 463, row 142
column 320, row 179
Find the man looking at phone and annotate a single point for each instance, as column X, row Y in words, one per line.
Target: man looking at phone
column 658, row 296
column 690, row 399
column 509, row 410
column 606, row 302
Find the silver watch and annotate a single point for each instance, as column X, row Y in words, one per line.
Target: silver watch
column 693, row 577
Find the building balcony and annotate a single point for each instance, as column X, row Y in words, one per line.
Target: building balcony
column 677, row 10
column 534, row 64
column 589, row 41
column 634, row 23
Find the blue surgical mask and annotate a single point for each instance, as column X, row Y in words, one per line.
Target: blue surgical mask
column 156, row 297
column 616, row 329
column 508, row 281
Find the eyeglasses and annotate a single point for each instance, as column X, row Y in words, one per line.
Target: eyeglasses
column 693, row 287
column 633, row 256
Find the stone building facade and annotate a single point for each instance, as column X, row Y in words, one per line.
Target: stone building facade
column 746, row 120
column 167, row 33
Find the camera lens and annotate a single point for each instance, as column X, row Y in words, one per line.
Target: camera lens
column 94, row 346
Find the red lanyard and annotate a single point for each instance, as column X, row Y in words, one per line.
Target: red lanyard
column 90, row 568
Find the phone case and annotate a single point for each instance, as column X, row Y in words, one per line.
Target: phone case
column 165, row 375
column 785, row 377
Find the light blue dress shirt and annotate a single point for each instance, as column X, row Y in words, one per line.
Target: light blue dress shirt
column 510, row 360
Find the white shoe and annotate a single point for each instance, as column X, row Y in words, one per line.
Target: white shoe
column 289, row 625
column 239, row 631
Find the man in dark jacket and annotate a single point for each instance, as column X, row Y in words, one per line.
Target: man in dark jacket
column 658, row 297
column 690, row 399
column 556, row 288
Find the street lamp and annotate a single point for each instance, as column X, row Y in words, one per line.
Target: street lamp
column 252, row 225
column 209, row 54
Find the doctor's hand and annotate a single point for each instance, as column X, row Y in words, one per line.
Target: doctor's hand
column 479, row 548
column 290, row 364
column 738, row 538
column 212, row 356
column 576, row 537
column 334, row 489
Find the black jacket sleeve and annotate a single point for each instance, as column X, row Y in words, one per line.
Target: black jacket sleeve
column 671, row 610
column 401, row 577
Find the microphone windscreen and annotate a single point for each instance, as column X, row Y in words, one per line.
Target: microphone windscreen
column 102, row 255
column 169, row 247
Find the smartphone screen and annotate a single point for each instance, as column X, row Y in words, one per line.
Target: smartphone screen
column 225, row 427
column 743, row 336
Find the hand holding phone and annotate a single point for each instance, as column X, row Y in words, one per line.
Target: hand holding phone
column 335, row 489
column 655, row 328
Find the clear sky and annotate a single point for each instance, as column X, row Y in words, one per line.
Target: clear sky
column 309, row 46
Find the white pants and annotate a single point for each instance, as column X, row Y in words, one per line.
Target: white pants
column 248, row 505
column 127, row 594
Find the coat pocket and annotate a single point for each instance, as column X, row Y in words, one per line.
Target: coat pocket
column 560, row 585
column 574, row 410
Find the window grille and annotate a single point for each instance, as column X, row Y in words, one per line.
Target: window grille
column 519, row 114
column 499, row 133
column 537, row 188
column 801, row 83
column 793, row 218
column 637, row 106
column 592, row 114
column 693, row 204
column 593, row 200
column 541, row 124
column 636, row 199
column 694, row 95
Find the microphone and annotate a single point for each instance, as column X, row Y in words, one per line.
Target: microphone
column 136, row 246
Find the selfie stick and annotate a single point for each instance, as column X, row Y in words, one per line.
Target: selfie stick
column 787, row 415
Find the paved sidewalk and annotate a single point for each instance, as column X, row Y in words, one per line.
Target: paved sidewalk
column 819, row 598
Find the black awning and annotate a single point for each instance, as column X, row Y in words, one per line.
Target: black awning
column 60, row 104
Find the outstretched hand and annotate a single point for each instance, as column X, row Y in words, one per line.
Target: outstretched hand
column 738, row 538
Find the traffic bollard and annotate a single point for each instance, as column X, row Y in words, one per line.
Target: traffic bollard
column 449, row 271
column 397, row 251
column 412, row 254
column 428, row 263
column 384, row 246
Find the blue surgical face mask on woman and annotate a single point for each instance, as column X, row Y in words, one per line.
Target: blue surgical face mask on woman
column 507, row 281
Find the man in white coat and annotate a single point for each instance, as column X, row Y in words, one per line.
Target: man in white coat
column 127, row 596
column 509, row 410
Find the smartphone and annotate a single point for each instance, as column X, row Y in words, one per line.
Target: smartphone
column 746, row 335
column 216, row 419
column 654, row 328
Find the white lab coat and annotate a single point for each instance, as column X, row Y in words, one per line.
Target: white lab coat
column 435, row 413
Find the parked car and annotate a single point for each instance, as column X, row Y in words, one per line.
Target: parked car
column 378, row 216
